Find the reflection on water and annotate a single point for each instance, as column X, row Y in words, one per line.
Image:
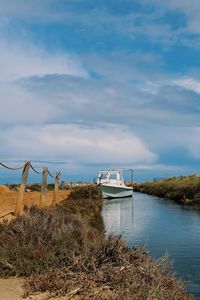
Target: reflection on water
column 160, row 226
column 121, row 217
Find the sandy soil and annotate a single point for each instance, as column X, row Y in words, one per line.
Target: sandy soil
column 8, row 199
column 11, row 289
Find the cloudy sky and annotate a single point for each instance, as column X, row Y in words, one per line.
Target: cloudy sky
column 89, row 84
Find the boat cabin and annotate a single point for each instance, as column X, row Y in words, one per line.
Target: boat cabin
column 114, row 177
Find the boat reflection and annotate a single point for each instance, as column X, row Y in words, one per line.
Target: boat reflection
column 119, row 215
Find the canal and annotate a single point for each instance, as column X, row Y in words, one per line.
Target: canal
column 161, row 226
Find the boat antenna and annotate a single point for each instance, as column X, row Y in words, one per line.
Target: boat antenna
column 131, row 170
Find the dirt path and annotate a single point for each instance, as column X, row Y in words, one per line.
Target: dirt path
column 12, row 289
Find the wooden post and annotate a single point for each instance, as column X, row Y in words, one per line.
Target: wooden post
column 55, row 193
column 43, row 187
column 19, row 202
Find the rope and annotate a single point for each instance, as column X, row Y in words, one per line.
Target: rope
column 9, row 168
column 35, row 169
column 42, row 171
column 19, row 168
column 50, row 174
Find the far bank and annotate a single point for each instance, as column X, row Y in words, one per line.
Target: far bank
column 182, row 189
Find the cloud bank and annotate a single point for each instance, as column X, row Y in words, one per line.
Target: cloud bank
column 98, row 83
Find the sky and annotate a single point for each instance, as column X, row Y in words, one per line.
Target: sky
column 93, row 84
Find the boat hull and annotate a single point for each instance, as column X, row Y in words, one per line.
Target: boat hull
column 110, row 191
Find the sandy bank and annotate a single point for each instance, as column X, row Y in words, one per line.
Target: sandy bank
column 8, row 199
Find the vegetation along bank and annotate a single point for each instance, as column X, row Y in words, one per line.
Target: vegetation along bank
column 63, row 250
column 183, row 189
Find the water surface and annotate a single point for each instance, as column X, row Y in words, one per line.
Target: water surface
column 160, row 226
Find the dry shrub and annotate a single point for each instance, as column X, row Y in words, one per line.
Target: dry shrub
column 64, row 251
column 111, row 272
column 38, row 240
column 86, row 202
column 45, row 238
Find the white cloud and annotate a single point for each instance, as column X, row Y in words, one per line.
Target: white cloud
column 101, row 16
column 68, row 99
column 185, row 140
column 108, row 144
column 38, row 87
column 46, row 88
column 189, row 83
column 125, row 66
column 18, row 106
column 18, row 61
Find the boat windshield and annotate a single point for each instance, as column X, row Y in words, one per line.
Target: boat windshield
column 102, row 176
column 110, row 177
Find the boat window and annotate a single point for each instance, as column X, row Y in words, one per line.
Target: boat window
column 113, row 176
column 103, row 176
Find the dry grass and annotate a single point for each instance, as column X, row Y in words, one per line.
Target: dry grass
column 63, row 250
column 183, row 189
column 43, row 238
column 111, row 271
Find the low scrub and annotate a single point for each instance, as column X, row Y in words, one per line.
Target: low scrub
column 183, row 189
column 34, row 187
column 43, row 238
column 64, row 251
column 107, row 269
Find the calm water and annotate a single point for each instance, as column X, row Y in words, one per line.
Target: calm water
column 160, row 226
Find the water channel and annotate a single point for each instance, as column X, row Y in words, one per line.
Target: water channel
column 160, row 225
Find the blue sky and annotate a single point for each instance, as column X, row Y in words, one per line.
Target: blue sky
column 93, row 84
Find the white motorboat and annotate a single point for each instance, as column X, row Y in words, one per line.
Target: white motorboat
column 112, row 183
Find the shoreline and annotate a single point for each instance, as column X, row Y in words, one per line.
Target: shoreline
column 182, row 189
